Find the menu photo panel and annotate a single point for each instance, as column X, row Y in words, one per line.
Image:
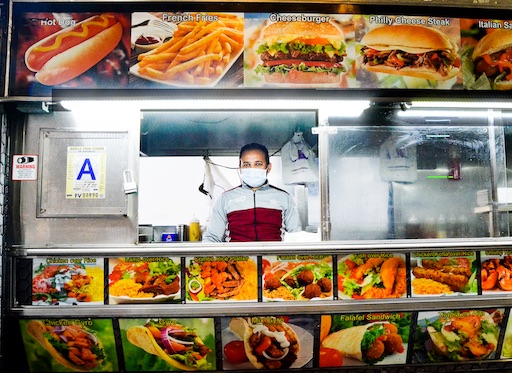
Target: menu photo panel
column 168, row 344
column 267, row 342
column 69, row 50
column 74, row 281
column 69, row 345
column 457, row 335
column 364, row 339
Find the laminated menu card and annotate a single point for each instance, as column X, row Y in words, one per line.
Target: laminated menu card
column 67, row 281
column 168, row 344
column 506, row 350
column 366, row 276
column 364, row 339
column 496, row 271
column 457, row 335
column 267, row 342
column 297, row 277
column 221, row 278
column 144, row 280
column 445, row 273
column 64, row 345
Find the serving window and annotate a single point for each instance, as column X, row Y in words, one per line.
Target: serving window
column 188, row 158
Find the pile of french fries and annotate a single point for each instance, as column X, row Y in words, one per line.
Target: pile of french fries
column 198, row 52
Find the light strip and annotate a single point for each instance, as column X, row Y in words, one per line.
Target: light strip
column 459, row 104
column 338, row 107
column 456, row 111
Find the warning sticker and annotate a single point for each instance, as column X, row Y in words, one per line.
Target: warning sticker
column 86, row 172
column 24, row 167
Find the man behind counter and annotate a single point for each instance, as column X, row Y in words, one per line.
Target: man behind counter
column 255, row 210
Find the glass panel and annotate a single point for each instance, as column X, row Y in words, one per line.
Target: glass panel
column 416, row 179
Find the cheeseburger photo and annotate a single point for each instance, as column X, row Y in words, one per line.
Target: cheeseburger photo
column 301, row 53
column 410, row 50
column 492, row 56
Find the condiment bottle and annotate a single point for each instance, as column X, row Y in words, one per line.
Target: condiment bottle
column 194, row 230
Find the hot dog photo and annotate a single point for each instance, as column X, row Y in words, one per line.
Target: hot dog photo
column 85, row 50
column 408, row 52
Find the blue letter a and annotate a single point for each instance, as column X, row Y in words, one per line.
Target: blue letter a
column 86, row 169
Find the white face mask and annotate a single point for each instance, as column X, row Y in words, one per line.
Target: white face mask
column 254, row 177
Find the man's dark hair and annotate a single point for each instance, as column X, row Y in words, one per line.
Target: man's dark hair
column 255, row 146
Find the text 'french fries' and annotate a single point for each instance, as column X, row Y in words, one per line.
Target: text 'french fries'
column 198, row 53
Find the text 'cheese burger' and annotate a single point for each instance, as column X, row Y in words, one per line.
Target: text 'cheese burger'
column 408, row 50
column 301, row 53
column 492, row 56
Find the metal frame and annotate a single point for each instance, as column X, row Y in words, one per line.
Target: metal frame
column 245, row 308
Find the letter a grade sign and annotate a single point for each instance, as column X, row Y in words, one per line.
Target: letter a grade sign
column 86, row 172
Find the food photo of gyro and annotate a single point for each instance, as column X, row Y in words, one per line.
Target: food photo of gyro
column 69, row 345
column 267, row 342
column 168, row 344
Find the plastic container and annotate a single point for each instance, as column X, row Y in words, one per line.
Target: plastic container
column 194, row 230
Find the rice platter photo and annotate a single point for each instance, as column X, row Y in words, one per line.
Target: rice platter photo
column 363, row 276
column 65, row 281
column 444, row 274
column 221, row 279
column 144, row 280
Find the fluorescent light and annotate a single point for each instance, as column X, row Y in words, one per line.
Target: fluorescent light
column 462, row 104
column 334, row 107
column 455, row 112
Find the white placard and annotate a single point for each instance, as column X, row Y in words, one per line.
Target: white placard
column 86, row 172
column 398, row 160
column 24, row 167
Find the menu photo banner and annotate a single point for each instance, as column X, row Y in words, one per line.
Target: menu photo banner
column 169, row 49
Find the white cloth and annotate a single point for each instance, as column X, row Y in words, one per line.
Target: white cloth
column 298, row 161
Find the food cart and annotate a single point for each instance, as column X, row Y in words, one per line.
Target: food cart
column 122, row 123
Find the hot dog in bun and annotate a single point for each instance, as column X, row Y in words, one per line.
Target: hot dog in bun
column 410, row 50
column 301, row 53
column 492, row 56
column 70, row 52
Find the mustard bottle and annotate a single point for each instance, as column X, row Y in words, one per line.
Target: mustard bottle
column 194, row 230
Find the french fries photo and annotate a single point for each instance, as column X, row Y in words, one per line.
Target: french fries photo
column 198, row 53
